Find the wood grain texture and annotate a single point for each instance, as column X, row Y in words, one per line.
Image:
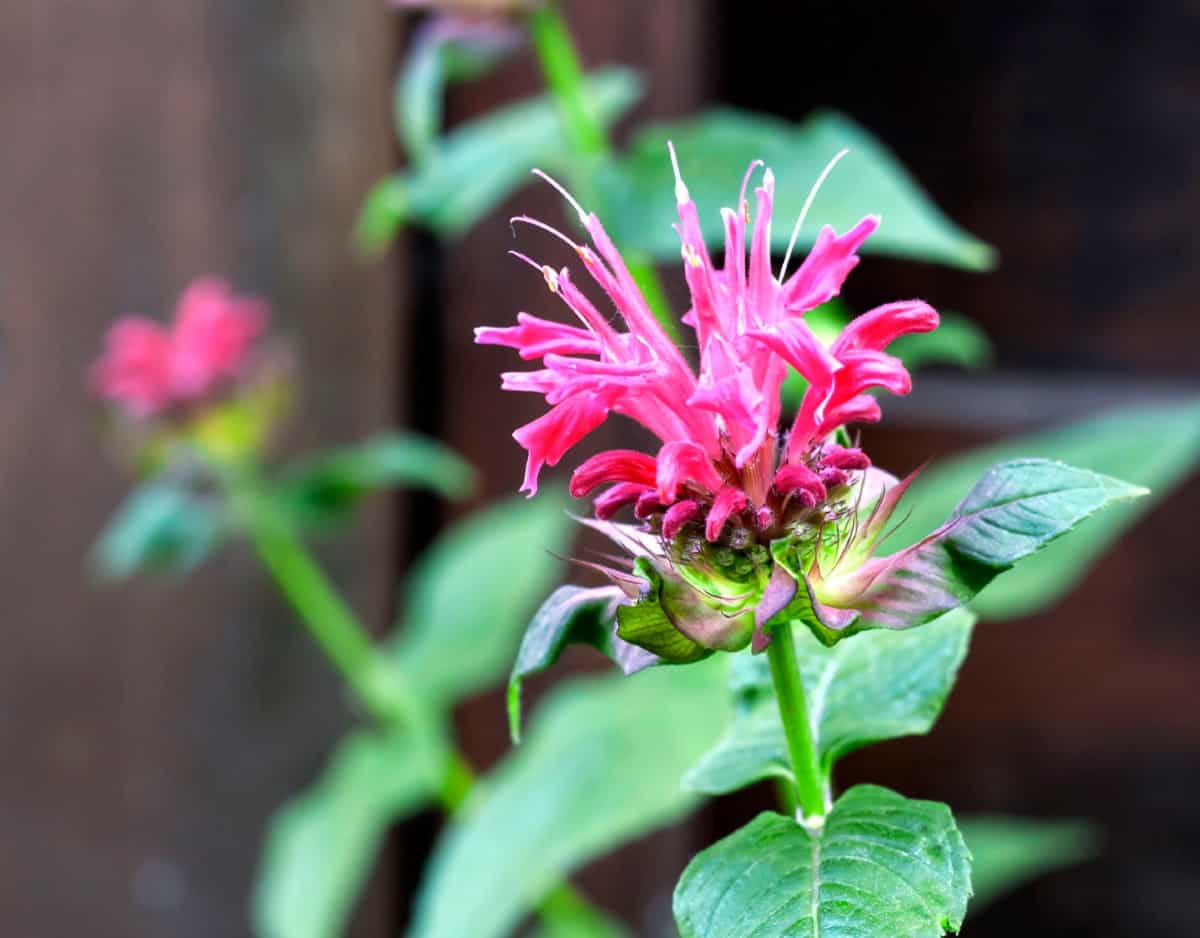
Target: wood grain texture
column 149, row 729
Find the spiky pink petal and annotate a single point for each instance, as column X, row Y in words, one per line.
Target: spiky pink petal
column 534, row 337
column 551, row 435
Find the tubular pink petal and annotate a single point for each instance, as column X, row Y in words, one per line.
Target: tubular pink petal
column 614, row 465
column 211, row 336
column 534, row 337
column 796, row 343
column 832, row 477
column 862, row 409
column 797, row 477
column 677, row 516
column 648, row 504
column 840, row 457
column 551, row 435
column 134, row 369
column 879, row 327
column 729, row 500
column 823, row 272
column 682, row 462
column 616, row 498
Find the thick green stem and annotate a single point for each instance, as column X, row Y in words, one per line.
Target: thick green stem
column 789, row 692
column 564, row 78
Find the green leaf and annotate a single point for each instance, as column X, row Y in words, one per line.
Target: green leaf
column 567, row 915
column 321, row 845
column 600, row 765
column 572, row 615
column 715, row 149
column 1157, row 447
column 160, row 527
column 884, row 865
column 480, row 162
column 325, row 489
column 1008, row 852
column 470, row 595
column 443, row 52
column 1014, row 510
column 868, row 688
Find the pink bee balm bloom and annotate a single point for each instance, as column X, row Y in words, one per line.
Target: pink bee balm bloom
column 148, row 369
column 726, row 471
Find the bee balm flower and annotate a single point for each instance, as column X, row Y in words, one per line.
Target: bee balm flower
column 148, row 369
column 729, row 485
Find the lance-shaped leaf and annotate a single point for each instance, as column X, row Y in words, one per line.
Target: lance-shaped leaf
column 1008, row 852
column 320, row 845
column 480, row 162
column 1157, row 447
column 600, row 765
column 572, row 615
column 1014, row 510
column 883, row 865
column 868, row 688
column 161, row 527
column 323, row 490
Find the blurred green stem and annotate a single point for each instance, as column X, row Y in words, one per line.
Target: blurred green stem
column 789, row 692
column 564, row 77
column 343, row 638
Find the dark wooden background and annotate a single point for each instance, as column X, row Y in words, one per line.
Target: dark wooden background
column 146, row 732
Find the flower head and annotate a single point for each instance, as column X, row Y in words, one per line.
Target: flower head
column 728, row 481
column 148, row 369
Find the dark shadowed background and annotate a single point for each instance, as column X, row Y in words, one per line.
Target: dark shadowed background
column 147, row 731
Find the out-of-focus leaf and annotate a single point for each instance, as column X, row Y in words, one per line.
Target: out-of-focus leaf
column 716, row 147
column 572, row 615
column 1008, row 852
column 956, row 341
column 870, row 687
column 479, row 163
column 1157, row 447
column 159, row 527
column 325, row 489
column 883, row 865
column 320, row 845
column 470, row 595
column 600, row 765
column 569, row 916
column 444, row 50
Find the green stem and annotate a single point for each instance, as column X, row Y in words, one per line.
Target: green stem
column 346, row 643
column 789, row 692
column 561, row 67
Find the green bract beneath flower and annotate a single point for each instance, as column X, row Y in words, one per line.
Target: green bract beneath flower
column 692, row 597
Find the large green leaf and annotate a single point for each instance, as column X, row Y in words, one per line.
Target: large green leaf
column 870, row 687
column 479, row 163
column 1014, row 510
column 1008, row 852
column 572, row 615
column 883, row 866
column 160, row 527
column 324, row 489
column 715, row 149
column 470, row 595
column 600, row 765
column 320, row 845
column 1157, row 447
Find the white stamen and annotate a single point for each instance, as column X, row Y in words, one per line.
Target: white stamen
column 681, row 191
column 549, row 229
column 583, row 216
column 769, row 181
column 812, row 194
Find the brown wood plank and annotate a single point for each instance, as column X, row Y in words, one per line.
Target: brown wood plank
column 148, row 730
